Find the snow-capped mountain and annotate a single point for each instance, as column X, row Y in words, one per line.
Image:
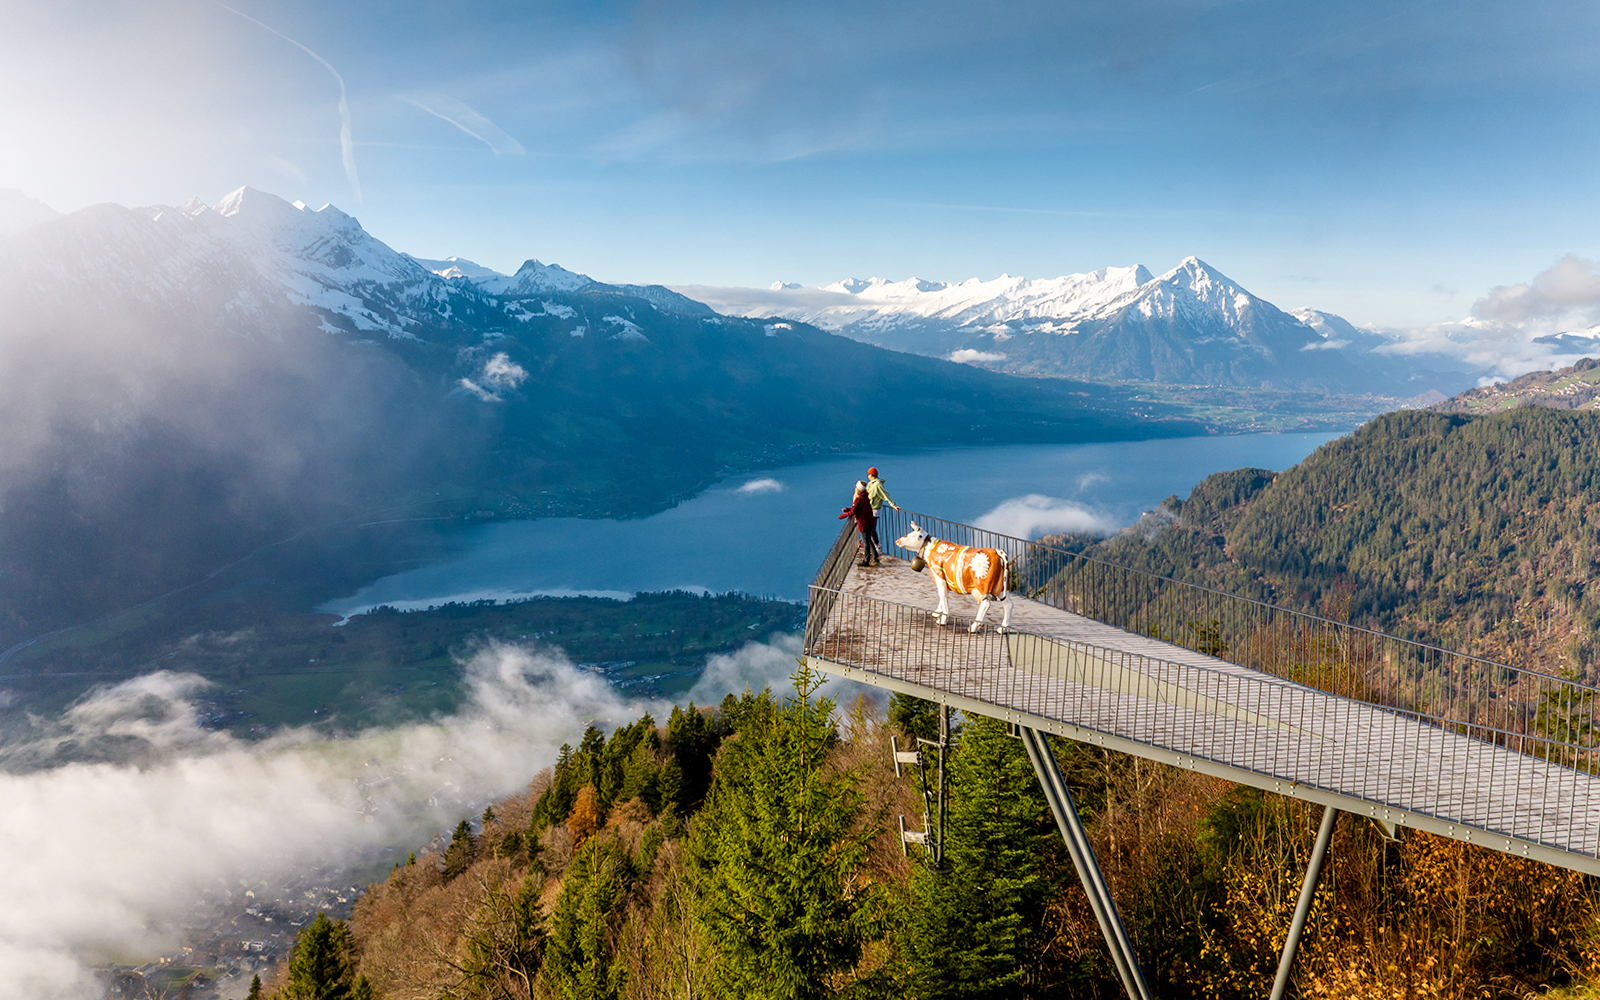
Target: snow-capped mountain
column 19, row 212
column 1192, row 325
column 253, row 262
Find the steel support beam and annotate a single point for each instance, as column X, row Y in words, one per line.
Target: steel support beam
column 1083, row 859
column 1308, row 892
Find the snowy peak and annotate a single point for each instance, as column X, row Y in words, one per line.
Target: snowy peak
column 457, row 267
column 19, row 212
column 1194, row 289
column 535, row 278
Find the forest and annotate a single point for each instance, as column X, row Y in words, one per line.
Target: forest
column 752, row 848
column 1476, row 533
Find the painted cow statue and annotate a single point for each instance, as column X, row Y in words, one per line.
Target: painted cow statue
column 980, row 573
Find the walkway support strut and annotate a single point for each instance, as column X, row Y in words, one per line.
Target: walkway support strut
column 1094, row 883
column 1308, row 892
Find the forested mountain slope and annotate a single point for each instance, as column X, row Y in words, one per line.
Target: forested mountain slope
column 753, row 851
column 1476, row 532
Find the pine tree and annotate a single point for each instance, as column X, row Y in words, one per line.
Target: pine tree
column 775, row 853
column 255, row 989
column 580, row 960
column 973, row 930
column 463, row 849
column 319, row 968
column 914, row 717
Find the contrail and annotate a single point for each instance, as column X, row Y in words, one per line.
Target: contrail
column 347, row 146
column 460, row 115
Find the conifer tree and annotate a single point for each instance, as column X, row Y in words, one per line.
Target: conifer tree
column 458, row 857
column 319, row 968
column 580, row 959
column 255, row 989
column 775, row 852
column 973, row 930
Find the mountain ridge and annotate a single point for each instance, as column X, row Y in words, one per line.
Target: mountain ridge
column 1191, row 325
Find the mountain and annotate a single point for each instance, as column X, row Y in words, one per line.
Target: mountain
column 1575, row 387
column 1474, row 532
column 1190, row 326
column 19, row 212
column 180, row 386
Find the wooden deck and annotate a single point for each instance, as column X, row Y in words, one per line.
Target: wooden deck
column 1069, row 675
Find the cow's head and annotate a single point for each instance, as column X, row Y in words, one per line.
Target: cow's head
column 914, row 540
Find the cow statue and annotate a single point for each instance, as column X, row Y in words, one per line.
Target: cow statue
column 963, row 569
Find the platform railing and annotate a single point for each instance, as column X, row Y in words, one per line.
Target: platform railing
column 1343, row 659
column 1458, row 772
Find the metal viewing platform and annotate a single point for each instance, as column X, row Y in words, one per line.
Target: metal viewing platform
column 1361, row 722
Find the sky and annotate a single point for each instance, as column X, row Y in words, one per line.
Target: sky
column 1391, row 163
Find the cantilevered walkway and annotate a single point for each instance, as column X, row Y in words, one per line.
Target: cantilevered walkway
column 1360, row 722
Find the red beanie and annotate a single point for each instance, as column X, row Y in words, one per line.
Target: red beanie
column 872, row 471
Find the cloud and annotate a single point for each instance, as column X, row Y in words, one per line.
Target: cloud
column 347, row 146
column 500, row 372
column 118, row 855
column 968, row 356
column 468, row 121
column 1034, row 515
column 761, row 486
column 756, row 665
column 477, row 390
column 1572, row 284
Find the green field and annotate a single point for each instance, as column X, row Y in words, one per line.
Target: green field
column 271, row 669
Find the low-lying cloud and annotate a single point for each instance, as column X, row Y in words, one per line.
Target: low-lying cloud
column 117, row 854
column 1034, row 514
column 968, row 356
column 756, row 486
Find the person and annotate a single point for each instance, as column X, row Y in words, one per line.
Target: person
column 877, row 496
column 861, row 509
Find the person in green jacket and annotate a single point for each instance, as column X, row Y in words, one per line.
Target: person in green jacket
column 877, row 496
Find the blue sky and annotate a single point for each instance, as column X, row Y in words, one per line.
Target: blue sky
column 1392, row 163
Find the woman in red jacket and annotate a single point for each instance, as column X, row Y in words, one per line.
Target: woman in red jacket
column 866, row 523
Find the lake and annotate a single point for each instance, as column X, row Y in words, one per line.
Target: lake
column 765, row 533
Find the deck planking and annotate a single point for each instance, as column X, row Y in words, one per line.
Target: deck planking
column 1067, row 668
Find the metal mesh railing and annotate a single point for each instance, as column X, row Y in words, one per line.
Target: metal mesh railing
column 1518, row 784
column 1347, row 660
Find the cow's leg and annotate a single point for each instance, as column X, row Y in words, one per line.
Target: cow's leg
column 1005, row 617
column 983, row 609
column 942, row 615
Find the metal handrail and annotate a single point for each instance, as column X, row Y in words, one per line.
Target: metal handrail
column 1262, row 724
column 1355, row 662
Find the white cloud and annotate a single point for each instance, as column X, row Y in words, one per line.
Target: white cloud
column 117, row 855
column 968, row 356
column 761, row 486
column 1034, row 515
column 765, row 664
column 1572, row 284
column 478, row 390
column 503, row 373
